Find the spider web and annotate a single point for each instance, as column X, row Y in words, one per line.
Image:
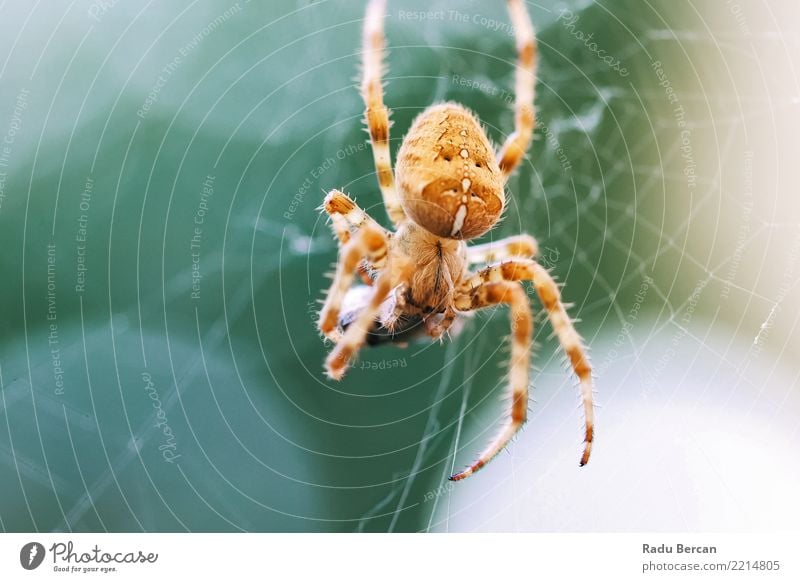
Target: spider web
column 679, row 252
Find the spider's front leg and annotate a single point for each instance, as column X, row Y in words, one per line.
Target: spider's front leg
column 368, row 243
column 512, row 293
column 346, row 216
column 516, row 144
column 348, row 219
column 376, row 113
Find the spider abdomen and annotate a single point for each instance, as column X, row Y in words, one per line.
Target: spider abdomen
column 448, row 179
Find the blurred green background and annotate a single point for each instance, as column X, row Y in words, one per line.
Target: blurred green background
column 163, row 256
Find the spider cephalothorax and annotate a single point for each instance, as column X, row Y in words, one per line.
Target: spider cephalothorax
column 449, row 188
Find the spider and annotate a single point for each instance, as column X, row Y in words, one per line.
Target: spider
column 447, row 188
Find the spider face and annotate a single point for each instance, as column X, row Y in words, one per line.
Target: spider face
column 449, row 181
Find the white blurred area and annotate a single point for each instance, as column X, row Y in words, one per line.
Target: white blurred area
column 702, row 445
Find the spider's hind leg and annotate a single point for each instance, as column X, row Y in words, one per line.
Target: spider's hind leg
column 571, row 342
column 512, row 293
column 476, row 291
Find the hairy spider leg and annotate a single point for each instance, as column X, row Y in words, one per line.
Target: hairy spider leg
column 515, row 270
column 517, row 143
column 376, row 113
column 513, row 294
column 522, row 245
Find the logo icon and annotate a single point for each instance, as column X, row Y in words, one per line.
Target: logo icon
column 31, row 555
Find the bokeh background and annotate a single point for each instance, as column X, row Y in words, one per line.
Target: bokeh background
column 161, row 170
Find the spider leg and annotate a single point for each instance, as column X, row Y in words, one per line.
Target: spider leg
column 512, row 269
column 547, row 289
column 347, row 218
column 522, row 245
column 512, row 293
column 376, row 113
column 368, row 243
column 572, row 344
column 516, row 144
column 356, row 334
